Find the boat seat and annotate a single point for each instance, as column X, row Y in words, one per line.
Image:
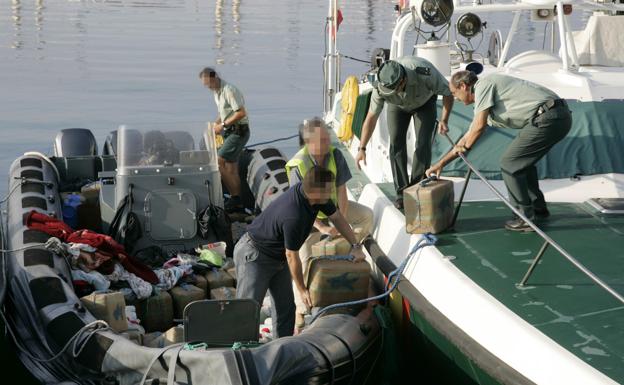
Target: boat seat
column 110, row 146
column 182, row 140
column 158, row 149
column 76, row 171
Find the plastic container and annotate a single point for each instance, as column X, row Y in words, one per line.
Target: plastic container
column 335, row 281
column 218, row 247
column 70, row 209
column 429, row 206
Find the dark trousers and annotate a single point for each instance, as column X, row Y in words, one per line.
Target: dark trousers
column 424, row 125
column 531, row 144
column 257, row 273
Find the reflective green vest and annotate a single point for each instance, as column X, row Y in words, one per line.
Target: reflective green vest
column 304, row 162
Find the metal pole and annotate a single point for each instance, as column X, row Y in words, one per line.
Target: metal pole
column 330, row 54
column 542, row 234
column 335, row 50
column 552, row 36
column 562, row 36
column 541, row 252
column 512, row 31
column 570, row 41
column 461, row 197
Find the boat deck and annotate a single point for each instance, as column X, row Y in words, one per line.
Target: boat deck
column 558, row 299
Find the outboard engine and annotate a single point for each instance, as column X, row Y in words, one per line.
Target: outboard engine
column 75, row 142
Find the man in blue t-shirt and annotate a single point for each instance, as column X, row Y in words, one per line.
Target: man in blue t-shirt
column 267, row 256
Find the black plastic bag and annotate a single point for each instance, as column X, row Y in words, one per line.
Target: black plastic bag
column 216, row 225
column 152, row 256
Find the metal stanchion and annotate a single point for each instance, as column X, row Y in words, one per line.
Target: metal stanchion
column 542, row 234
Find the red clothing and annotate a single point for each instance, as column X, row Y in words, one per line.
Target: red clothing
column 48, row 224
column 104, row 243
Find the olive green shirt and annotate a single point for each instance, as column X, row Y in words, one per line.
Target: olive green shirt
column 229, row 100
column 418, row 90
column 512, row 101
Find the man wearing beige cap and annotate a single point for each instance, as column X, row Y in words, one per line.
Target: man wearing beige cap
column 410, row 85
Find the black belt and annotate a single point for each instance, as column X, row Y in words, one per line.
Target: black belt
column 238, row 129
column 549, row 105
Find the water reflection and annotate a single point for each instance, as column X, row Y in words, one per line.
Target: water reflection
column 294, row 32
column 16, row 10
column 236, row 15
column 370, row 20
column 220, row 26
column 39, row 8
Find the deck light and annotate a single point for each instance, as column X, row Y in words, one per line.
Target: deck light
column 433, row 12
column 469, row 25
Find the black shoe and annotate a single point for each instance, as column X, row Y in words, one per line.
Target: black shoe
column 398, row 203
column 518, row 225
column 233, row 204
column 541, row 213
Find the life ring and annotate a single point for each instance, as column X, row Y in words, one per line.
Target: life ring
column 350, row 93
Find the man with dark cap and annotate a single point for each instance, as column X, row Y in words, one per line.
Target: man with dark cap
column 410, row 85
column 267, row 257
column 505, row 101
column 233, row 124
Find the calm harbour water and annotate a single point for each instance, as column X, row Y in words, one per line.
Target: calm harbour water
column 101, row 63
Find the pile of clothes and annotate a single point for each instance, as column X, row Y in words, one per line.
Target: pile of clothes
column 100, row 262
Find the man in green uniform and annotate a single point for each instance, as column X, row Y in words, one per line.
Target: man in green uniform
column 504, row 101
column 410, row 85
column 233, row 124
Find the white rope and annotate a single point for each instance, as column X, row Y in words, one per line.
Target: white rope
column 78, row 342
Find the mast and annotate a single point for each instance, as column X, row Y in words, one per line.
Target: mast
column 330, row 61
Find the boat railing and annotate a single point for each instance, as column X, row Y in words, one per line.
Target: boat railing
column 548, row 241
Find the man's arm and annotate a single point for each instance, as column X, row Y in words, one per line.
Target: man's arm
column 345, row 230
column 447, row 106
column 235, row 117
column 343, row 206
column 325, row 229
column 343, row 200
column 368, row 127
column 218, row 126
column 477, row 127
column 296, row 272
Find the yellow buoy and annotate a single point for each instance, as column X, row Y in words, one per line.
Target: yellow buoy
column 350, row 93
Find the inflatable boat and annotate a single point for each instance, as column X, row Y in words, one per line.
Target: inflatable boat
column 147, row 188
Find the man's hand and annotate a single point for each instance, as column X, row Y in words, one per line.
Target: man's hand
column 305, row 297
column 442, row 127
column 329, row 230
column 218, row 128
column 436, row 170
column 459, row 149
column 358, row 254
column 361, row 156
